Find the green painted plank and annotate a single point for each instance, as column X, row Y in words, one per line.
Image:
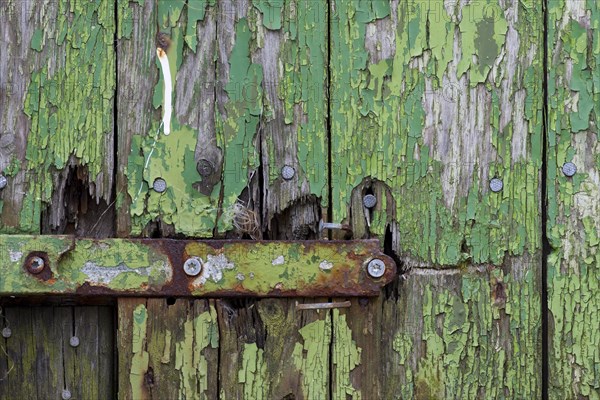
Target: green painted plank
column 57, row 109
column 573, row 277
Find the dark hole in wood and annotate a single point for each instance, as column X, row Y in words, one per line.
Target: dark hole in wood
column 171, row 301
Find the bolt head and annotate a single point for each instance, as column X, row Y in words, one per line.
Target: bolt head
column 36, row 264
column 66, row 394
column 376, row 268
column 496, row 185
column 192, row 266
column 3, row 182
column 288, row 172
column 6, row 332
column 369, row 201
column 159, row 185
column 74, row 341
column 569, row 169
column 204, row 167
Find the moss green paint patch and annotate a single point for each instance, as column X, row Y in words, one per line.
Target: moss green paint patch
column 140, row 358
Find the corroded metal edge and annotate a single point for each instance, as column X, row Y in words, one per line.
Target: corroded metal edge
column 154, row 267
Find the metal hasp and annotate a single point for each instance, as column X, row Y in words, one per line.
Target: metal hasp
column 55, row 265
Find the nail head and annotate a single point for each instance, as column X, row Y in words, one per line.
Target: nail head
column 66, row 394
column 376, row 268
column 288, row 172
column 496, row 185
column 74, row 341
column 6, row 332
column 369, row 201
column 204, row 167
column 159, row 185
column 192, row 266
column 3, row 182
column 569, row 169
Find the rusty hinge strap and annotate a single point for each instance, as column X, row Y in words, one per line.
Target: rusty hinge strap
column 35, row 265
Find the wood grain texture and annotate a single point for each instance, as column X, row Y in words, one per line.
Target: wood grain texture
column 429, row 101
column 56, row 105
column 167, row 351
column 38, row 362
column 573, row 202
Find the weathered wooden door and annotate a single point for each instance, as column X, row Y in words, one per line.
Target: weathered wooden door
column 472, row 124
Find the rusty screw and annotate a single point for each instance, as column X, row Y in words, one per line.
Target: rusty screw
column 74, row 341
column 6, row 332
column 35, row 264
column 192, row 266
column 159, row 185
column 204, row 167
column 376, row 268
column 369, row 201
column 569, row 169
column 3, row 182
column 287, row 172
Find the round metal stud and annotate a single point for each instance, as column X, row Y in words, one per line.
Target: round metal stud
column 3, row 182
column 35, row 264
column 569, row 169
column 159, row 185
column 204, row 167
column 288, row 172
column 74, row 341
column 496, row 185
column 369, row 201
column 6, row 332
column 376, row 268
column 66, row 394
column 192, row 266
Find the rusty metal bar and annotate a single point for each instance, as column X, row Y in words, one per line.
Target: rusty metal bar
column 48, row 265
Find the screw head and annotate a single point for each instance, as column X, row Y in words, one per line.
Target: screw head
column 376, row 268
column 66, row 394
column 569, row 169
column 192, row 266
column 159, row 185
column 288, row 172
column 74, row 341
column 496, row 185
column 369, row 201
column 6, row 332
column 204, row 167
column 3, row 182
column 35, row 264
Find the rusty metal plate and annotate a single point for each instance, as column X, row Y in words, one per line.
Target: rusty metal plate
column 46, row 265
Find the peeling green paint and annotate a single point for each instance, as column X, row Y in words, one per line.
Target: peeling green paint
column 346, row 356
column 200, row 333
column 253, row 371
column 573, row 223
column 387, row 116
column 312, row 358
column 140, row 358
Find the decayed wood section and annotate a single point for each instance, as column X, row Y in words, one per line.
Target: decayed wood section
column 38, row 361
column 574, row 202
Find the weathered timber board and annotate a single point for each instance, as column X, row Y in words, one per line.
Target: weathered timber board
column 38, row 362
column 57, row 80
column 249, row 89
column 573, row 223
column 429, row 101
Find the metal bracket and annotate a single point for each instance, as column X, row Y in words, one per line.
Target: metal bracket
column 53, row 265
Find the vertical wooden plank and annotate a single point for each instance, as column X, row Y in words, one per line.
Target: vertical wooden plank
column 56, row 105
column 269, row 349
column 430, row 101
column 167, row 351
column 573, row 277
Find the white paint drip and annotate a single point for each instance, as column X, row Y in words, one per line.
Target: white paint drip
column 278, row 261
column 167, row 106
column 98, row 274
column 15, row 256
column 326, row 265
column 213, row 268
